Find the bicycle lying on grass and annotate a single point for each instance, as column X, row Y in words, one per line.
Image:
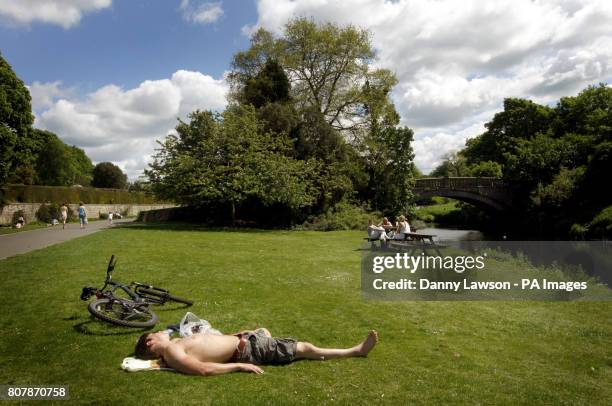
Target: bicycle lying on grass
column 130, row 312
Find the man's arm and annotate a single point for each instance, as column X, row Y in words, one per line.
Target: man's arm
column 187, row 364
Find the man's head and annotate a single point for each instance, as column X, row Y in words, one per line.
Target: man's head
column 149, row 345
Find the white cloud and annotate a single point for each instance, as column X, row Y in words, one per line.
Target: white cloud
column 457, row 60
column 431, row 145
column 45, row 94
column 66, row 13
column 121, row 126
column 201, row 12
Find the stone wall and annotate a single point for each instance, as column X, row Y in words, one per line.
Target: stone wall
column 93, row 210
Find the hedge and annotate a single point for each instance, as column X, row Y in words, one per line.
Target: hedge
column 60, row 194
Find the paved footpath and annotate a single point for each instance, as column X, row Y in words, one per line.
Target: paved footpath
column 26, row 241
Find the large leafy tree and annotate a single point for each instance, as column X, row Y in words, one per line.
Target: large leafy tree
column 318, row 142
column 108, row 175
column 228, row 158
column 327, row 67
column 82, row 165
column 54, row 165
column 391, row 169
column 520, row 120
column 58, row 164
column 347, row 121
column 588, row 114
column 15, row 121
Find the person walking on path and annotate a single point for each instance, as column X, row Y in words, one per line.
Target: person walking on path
column 82, row 215
column 64, row 214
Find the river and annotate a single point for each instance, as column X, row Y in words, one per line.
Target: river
column 447, row 234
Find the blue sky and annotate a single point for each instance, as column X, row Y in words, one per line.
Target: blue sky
column 125, row 44
column 113, row 76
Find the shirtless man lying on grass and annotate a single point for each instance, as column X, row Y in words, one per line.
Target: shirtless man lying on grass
column 210, row 354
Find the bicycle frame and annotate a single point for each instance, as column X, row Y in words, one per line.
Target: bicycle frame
column 131, row 309
column 134, row 290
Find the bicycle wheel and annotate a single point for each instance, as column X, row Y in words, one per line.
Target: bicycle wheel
column 122, row 313
column 165, row 296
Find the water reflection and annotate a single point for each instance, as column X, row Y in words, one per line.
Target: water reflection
column 446, row 234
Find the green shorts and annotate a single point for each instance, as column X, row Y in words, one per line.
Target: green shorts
column 261, row 350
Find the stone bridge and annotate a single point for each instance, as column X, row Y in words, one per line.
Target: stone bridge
column 487, row 192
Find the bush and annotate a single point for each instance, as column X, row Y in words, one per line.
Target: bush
column 344, row 216
column 44, row 213
column 578, row 231
column 426, row 218
column 601, row 225
column 47, row 212
column 59, row 194
column 103, row 216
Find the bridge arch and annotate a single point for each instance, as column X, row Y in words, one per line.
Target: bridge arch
column 488, row 192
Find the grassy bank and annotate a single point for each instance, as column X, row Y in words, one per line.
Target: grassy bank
column 439, row 211
column 301, row 284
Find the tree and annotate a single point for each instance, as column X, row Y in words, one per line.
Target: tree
column 140, row 185
column 15, row 121
column 270, row 85
column 82, row 165
column 486, row 169
column 57, row 164
column 557, row 161
column 589, row 113
column 54, row 166
column 318, row 142
column 391, row 169
column 108, row 175
column 520, row 120
column 227, row 159
column 8, row 140
column 454, row 165
column 327, row 67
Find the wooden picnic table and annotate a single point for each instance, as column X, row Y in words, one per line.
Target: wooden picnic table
column 420, row 237
column 417, row 241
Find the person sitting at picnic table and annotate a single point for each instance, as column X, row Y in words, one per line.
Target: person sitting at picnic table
column 386, row 224
column 402, row 229
column 377, row 232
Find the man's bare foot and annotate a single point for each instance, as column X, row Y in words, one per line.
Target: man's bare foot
column 366, row 346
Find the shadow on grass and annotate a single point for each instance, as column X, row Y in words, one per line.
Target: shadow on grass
column 95, row 327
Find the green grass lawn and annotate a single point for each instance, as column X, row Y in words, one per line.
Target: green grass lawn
column 301, row 284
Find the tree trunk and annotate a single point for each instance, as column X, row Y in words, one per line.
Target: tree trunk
column 233, row 214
